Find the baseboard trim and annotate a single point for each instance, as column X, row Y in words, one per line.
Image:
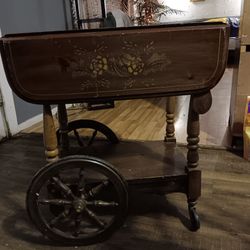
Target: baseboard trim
column 38, row 118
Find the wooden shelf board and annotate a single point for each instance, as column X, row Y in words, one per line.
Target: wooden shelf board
column 143, row 160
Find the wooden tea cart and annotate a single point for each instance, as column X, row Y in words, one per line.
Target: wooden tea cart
column 83, row 198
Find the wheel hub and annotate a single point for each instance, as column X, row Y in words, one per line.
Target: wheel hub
column 79, row 205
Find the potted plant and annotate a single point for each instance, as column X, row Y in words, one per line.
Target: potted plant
column 151, row 11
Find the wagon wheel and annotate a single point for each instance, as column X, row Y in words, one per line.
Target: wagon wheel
column 95, row 128
column 89, row 203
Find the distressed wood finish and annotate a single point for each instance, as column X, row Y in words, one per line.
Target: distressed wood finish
column 63, row 127
column 49, row 134
column 122, row 64
column 193, row 131
column 199, row 104
column 116, row 64
column 170, row 115
column 193, row 172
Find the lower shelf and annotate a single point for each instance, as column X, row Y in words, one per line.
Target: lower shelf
column 145, row 164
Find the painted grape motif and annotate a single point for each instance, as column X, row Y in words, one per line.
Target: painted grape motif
column 99, row 65
column 134, row 64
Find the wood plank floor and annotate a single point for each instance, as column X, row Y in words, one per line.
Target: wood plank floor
column 154, row 222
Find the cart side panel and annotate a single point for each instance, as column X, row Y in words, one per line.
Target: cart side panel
column 116, row 64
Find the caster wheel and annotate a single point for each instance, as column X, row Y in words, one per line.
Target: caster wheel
column 77, row 200
column 194, row 219
column 88, row 131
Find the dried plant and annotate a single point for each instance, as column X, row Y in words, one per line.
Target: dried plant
column 151, row 11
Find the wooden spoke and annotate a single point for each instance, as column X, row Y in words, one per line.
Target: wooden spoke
column 81, row 182
column 92, row 138
column 77, row 209
column 94, row 218
column 57, row 202
column 63, row 187
column 79, row 139
column 61, row 216
column 78, row 221
column 96, row 190
column 100, row 203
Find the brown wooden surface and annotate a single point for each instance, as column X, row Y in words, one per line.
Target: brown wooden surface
column 246, row 131
column 170, row 119
column 240, row 91
column 49, row 134
column 245, row 23
column 134, row 119
column 116, row 64
column 141, row 159
column 63, row 126
column 194, row 173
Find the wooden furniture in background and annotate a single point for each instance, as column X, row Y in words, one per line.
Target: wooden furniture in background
column 245, row 23
column 246, row 130
column 241, row 81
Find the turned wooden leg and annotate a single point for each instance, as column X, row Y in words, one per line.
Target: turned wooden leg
column 199, row 104
column 49, row 134
column 63, row 127
column 193, row 173
column 170, row 115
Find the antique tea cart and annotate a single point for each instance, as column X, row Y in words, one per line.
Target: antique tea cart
column 83, row 198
